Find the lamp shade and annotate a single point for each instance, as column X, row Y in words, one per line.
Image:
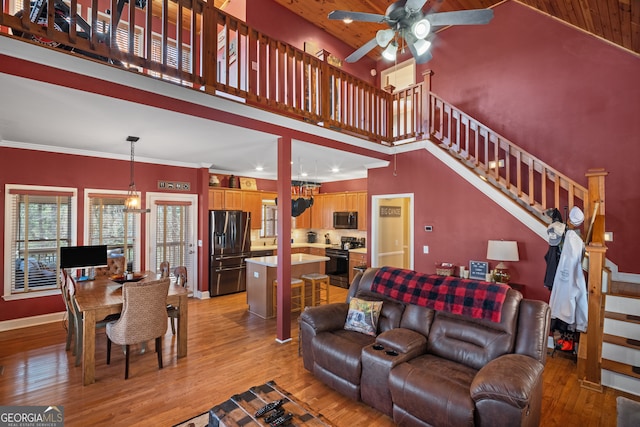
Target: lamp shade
column 502, row 250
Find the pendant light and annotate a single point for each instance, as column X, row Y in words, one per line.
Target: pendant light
column 132, row 203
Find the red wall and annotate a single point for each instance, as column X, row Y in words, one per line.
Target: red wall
column 463, row 220
column 44, row 168
column 281, row 24
column 565, row 96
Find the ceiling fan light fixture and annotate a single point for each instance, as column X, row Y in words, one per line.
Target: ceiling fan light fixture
column 383, row 37
column 347, row 20
column 421, row 28
column 390, row 52
column 421, row 46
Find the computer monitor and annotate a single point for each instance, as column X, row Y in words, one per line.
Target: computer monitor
column 83, row 256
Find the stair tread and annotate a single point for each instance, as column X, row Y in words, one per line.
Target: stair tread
column 622, row 341
column 621, row 368
column 624, row 317
column 625, row 289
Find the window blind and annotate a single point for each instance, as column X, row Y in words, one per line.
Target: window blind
column 41, row 222
column 109, row 225
column 173, row 234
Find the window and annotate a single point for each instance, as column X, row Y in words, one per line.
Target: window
column 107, row 224
column 269, row 219
column 38, row 220
column 172, row 56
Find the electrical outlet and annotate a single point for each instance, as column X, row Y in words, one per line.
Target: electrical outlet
column 428, row 228
column 256, row 274
column 425, row 249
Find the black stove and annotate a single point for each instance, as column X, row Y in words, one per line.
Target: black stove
column 337, row 268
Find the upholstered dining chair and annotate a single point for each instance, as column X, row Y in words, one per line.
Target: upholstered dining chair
column 173, row 312
column 143, row 318
column 69, row 286
column 164, row 269
column 115, row 266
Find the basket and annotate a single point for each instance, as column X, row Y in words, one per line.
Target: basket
column 445, row 269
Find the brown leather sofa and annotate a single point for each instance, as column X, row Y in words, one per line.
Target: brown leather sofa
column 433, row 368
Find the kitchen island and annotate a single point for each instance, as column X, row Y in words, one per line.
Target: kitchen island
column 262, row 271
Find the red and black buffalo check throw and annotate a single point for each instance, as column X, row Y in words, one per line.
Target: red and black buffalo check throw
column 477, row 299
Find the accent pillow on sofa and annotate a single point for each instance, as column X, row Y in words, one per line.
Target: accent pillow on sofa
column 363, row 316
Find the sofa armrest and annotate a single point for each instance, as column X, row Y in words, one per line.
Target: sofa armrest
column 316, row 320
column 327, row 317
column 403, row 341
column 511, row 379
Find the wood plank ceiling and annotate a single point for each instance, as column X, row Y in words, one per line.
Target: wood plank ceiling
column 617, row 21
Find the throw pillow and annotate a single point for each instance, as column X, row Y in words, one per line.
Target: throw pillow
column 363, row 316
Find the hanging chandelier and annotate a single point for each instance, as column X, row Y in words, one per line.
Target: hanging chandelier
column 132, row 203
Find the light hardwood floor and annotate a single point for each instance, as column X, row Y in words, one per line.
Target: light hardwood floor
column 230, row 350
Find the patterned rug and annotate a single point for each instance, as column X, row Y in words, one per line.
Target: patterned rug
column 240, row 408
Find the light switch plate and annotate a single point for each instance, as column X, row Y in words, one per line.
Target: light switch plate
column 425, row 249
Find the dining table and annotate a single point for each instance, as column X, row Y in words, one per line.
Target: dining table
column 98, row 298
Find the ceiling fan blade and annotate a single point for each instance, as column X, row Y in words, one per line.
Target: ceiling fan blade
column 362, row 50
column 356, row 16
column 414, row 5
column 461, row 17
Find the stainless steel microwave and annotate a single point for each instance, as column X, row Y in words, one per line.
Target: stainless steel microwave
column 345, row 220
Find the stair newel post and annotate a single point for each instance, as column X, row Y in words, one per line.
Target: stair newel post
column 426, row 104
column 327, row 91
column 590, row 350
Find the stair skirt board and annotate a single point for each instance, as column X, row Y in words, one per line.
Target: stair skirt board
column 621, row 382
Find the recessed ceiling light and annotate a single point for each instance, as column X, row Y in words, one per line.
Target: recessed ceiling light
column 259, row 168
column 304, row 174
column 335, row 170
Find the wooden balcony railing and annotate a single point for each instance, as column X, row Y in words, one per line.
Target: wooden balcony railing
column 223, row 56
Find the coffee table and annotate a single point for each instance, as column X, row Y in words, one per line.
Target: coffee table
column 240, row 409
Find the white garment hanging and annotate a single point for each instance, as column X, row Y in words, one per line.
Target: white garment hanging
column 568, row 299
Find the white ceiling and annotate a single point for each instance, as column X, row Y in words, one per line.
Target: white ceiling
column 43, row 116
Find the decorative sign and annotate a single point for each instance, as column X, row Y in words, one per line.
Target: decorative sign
column 478, row 270
column 174, row 186
column 390, row 211
column 248, row 184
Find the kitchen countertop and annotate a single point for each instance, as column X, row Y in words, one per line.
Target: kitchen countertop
column 293, row 245
column 296, row 259
column 358, row 251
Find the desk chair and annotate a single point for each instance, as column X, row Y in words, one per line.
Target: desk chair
column 144, row 317
column 173, row 312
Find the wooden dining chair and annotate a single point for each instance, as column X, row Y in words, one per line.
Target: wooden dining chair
column 164, row 269
column 71, row 317
column 173, row 312
column 69, row 287
column 143, row 318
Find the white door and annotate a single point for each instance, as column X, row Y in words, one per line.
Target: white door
column 392, row 231
column 171, row 233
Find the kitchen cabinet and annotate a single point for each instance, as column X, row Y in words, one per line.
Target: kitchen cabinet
column 356, row 259
column 317, row 212
column 362, row 210
column 351, row 202
column 216, row 198
column 233, row 199
column 252, row 203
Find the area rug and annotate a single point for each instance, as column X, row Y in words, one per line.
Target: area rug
column 240, row 409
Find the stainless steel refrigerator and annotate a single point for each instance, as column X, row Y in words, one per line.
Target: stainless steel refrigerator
column 230, row 244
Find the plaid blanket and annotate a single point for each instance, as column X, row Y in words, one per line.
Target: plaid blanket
column 477, row 299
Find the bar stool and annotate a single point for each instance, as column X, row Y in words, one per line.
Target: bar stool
column 319, row 282
column 297, row 301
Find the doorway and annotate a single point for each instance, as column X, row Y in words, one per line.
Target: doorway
column 171, row 233
column 392, row 230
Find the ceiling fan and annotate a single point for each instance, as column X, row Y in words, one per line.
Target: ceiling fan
column 408, row 24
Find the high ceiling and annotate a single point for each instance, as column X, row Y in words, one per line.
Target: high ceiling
column 617, row 21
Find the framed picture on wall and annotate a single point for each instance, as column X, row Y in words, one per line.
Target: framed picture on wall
column 478, row 270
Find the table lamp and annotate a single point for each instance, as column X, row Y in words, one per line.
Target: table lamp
column 502, row 250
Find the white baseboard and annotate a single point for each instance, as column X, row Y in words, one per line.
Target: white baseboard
column 25, row 322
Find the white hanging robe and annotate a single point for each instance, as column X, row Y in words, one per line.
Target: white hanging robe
column 568, row 299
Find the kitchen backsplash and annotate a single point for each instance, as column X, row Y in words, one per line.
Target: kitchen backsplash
column 299, row 235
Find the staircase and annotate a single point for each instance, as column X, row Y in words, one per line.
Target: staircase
column 621, row 338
